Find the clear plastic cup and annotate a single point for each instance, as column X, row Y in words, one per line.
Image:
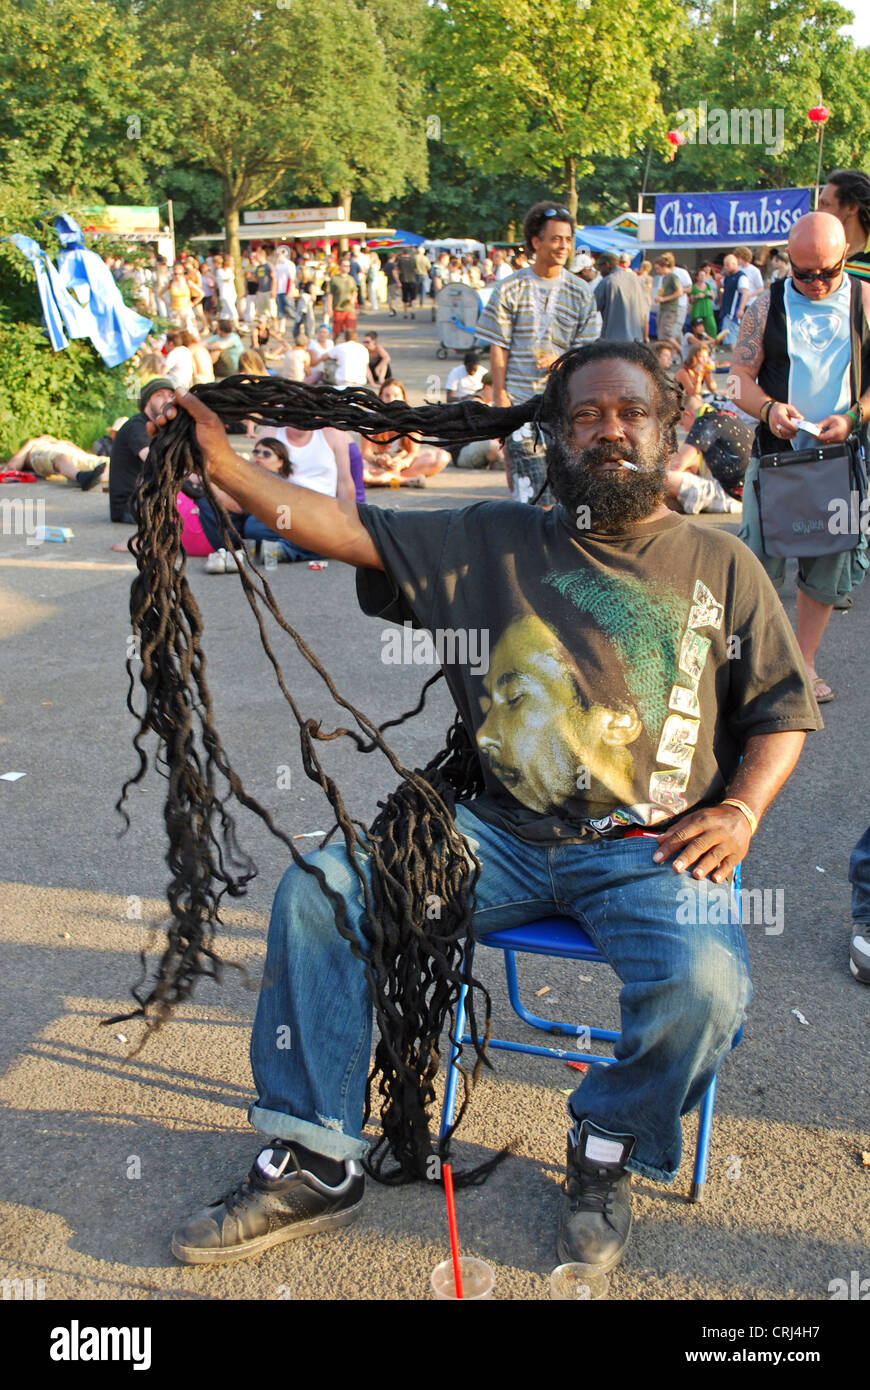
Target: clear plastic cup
column 478, row 1279
column 580, row 1282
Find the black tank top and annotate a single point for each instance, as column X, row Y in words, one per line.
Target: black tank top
column 377, row 362
column 773, row 376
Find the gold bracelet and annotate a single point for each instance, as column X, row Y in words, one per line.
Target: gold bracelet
column 747, row 811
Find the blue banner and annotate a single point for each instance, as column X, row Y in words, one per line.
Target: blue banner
column 724, row 217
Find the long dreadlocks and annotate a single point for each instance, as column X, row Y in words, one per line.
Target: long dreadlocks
column 415, row 967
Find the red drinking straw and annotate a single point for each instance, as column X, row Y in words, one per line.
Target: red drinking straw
column 451, row 1224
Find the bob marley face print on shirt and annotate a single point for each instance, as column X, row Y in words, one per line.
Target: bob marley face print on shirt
column 552, row 746
column 539, row 739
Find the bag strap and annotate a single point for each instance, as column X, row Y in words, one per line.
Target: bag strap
column 776, row 290
column 856, row 321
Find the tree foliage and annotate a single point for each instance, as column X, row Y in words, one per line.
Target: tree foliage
column 72, row 100
column 227, row 104
column 461, row 194
column 264, row 95
column 778, row 56
column 70, row 394
column 550, row 85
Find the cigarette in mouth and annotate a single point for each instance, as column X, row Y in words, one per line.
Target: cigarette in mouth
column 633, row 466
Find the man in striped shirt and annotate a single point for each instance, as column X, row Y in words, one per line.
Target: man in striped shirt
column 534, row 316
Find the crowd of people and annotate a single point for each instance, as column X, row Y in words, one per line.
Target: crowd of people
column 297, row 318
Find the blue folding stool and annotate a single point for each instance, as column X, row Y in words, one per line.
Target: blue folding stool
column 562, row 936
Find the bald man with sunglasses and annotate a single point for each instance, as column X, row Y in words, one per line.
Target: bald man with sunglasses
column 793, row 363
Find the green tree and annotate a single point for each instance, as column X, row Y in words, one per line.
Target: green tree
column 264, row 94
column 777, row 58
column 195, row 195
column 550, row 85
column 71, row 98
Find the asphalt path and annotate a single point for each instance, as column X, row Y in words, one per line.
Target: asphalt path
column 102, row 1155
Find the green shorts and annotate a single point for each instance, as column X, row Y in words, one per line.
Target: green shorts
column 42, row 459
column 825, row 578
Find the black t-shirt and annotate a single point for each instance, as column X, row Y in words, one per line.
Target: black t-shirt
column 264, row 279
column 725, row 442
column 608, row 681
column 729, row 291
column 126, row 466
column 407, row 265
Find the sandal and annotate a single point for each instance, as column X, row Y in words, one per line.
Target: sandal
column 822, row 691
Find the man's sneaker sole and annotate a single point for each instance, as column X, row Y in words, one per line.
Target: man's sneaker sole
column 859, row 955
column 196, row 1255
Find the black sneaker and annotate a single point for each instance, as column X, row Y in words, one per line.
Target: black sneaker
column 89, row 477
column 859, row 956
column 279, row 1200
column 596, row 1218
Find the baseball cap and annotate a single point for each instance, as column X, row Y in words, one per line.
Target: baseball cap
column 583, row 261
column 157, row 383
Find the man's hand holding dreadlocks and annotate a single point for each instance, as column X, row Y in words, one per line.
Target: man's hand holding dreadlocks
column 309, row 519
column 210, row 433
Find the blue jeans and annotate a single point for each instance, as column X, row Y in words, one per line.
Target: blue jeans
column 250, row 529
column 685, row 990
column 859, row 877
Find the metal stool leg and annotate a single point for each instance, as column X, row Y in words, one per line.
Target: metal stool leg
column 702, row 1148
column 449, row 1105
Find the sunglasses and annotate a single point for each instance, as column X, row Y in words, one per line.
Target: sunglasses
column 262, row 451
column 806, row 276
column 558, row 212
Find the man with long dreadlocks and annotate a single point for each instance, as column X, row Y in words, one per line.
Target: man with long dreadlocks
column 643, row 704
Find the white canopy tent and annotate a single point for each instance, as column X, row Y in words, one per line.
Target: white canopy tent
column 288, row 231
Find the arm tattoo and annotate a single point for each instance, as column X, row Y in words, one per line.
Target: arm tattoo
column 749, row 351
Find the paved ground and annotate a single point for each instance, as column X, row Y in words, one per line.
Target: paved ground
column 102, row 1156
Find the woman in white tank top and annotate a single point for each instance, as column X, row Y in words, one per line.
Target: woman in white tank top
column 320, row 459
column 314, row 464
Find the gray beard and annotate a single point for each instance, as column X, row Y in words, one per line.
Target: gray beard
column 615, row 500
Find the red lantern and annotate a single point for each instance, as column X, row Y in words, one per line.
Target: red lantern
column 676, row 137
column 818, row 114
